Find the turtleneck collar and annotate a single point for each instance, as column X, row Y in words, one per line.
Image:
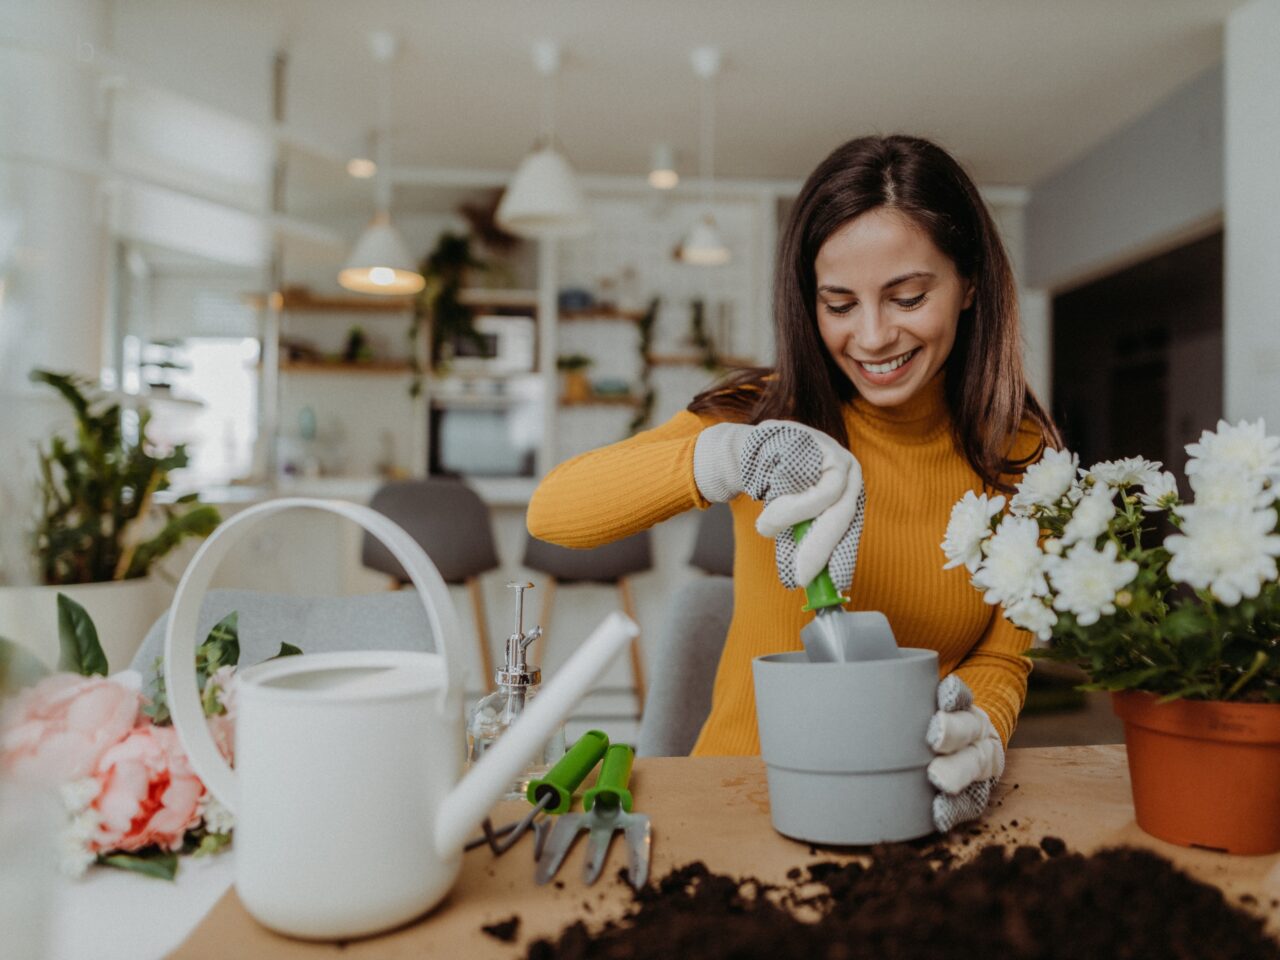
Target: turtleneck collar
column 921, row 417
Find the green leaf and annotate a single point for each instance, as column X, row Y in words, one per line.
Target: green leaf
column 222, row 647
column 162, row 865
column 19, row 667
column 287, row 650
column 211, row 843
column 78, row 640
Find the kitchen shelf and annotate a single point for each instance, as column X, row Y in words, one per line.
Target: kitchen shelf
column 604, row 314
column 685, row 360
column 480, row 297
column 602, row 400
column 302, row 300
column 375, row 367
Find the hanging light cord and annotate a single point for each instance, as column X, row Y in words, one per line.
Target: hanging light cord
column 382, row 144
column 548, row 110
column 707, row 138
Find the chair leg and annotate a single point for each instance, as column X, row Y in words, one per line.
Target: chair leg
column 637, row 658
column 548, row 599
column 482, row 631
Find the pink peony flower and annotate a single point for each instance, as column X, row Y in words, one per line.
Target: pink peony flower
column 58, row 730
column 148, row 792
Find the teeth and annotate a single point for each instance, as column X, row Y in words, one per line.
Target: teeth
column 887, row 367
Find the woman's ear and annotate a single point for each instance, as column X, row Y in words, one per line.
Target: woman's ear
column 970, row 294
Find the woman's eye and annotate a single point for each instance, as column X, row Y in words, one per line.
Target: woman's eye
column 911, row 303
column 840, row 309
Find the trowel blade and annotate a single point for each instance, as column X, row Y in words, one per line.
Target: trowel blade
column 838, row 635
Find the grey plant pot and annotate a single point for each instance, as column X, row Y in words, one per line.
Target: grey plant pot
column 844, row 745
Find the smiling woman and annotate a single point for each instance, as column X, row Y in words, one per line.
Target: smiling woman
column 899, row 387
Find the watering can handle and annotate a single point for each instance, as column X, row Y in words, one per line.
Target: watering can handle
column 180, row 637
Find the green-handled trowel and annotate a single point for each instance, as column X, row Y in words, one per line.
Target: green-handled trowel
column 836, row 635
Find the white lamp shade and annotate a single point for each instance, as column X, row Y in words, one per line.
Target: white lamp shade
column 380, row 263
column 702, row 246
column 543, row 199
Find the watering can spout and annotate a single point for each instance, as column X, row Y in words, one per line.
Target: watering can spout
column 469, row 802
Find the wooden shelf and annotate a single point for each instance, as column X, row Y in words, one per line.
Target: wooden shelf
column 384, row 367
column 480, row 297
column 683, row 360
column 604, row 315
column 602, row 400
column 302, row 300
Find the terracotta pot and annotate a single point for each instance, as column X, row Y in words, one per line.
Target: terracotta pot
column 1204, row 773
column 577, row 388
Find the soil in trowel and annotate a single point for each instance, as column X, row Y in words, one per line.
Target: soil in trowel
column 920, row 902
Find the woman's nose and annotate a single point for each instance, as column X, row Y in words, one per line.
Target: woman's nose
column 873, row 332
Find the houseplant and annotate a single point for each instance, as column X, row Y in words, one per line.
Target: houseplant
column 1184, row 631
column 100, row 533
column 575, row 386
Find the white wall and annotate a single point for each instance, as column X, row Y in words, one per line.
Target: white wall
column 1253, row 213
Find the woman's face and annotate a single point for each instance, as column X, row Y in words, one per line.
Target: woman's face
column 888, row 304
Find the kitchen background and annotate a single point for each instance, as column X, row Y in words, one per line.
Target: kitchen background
column 181, row 182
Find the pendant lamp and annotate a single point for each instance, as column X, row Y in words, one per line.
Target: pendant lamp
column 543, row 198
column 380, row 262
column 702, row 245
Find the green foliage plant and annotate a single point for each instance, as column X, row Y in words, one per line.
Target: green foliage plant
column 97, row 494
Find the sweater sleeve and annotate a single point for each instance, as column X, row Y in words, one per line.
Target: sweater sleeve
column 996, row 671
column 610, row 493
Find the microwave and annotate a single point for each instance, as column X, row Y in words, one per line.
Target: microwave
column 485, row 427
column 503, row 345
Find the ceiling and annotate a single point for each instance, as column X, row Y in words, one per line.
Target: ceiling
column 1015, row 88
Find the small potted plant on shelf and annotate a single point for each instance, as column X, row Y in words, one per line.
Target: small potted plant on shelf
column 100, row 531
column 575, row 387
column 1183, row 631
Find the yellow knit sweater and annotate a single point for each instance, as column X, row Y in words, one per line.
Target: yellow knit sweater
column 913, row 474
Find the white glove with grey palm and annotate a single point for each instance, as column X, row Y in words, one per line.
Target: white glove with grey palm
column 970, row 755
column 800, row 474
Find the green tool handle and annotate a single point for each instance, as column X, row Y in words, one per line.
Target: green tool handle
column 570, row 771
column 611, row 790
column 821, row 591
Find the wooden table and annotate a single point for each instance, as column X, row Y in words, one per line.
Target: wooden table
column 716, row 809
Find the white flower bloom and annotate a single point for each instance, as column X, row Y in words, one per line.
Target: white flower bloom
column 217, row 818
column 224, row 680
column 1046, row 480
column 1160, row 492
column 78, row 794
column 1230, row 551
column 1218, row 485
column 1245, row 448
column 1032, row 614
column 1013, row 569
column 1091, row 517
column 74, row 855
column 1124, row 473
column 1087, row 580
column 969, row 526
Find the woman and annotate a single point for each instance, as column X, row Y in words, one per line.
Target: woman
column 899, row 385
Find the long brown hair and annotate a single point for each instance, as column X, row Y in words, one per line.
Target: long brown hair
column 986, row 388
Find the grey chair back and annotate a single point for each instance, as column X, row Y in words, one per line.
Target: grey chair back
column 684, row 662
column 607, row 564
column 446, row 517
column 713, row 545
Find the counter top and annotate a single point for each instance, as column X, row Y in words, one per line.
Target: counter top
column 716, row 809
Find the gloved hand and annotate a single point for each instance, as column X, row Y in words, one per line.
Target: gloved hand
column 970, row 755
column 800, row 474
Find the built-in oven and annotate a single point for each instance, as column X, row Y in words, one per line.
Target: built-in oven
column 485, row 426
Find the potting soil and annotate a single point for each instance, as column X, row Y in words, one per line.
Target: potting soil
column 919, row 901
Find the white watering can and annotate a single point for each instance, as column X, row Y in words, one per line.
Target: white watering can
column 350, row 816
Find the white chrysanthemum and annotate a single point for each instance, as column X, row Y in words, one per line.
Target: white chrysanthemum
column 1045, row 481
column 1160, row 492
column 1032, row 614
column 78, row 794
column 1086, row 581
column 1230, row 551
column 1091, row 516
column 1221, row 485
column 217, row 818
column 224, row 679
column 969, row 526
column 1245, row 448
column 1124, row 473
column 74, row 855
column 1013, row 568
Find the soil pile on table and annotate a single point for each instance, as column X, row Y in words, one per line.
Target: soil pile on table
column 912, row 901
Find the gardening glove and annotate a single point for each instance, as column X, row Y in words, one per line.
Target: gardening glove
column 799, row 474
column 970, row 755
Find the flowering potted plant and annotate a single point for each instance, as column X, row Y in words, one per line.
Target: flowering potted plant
column 1184, row 632
column 131, row 798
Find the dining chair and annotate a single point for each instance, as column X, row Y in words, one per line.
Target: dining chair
column 450, row 521
column 614, row 563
